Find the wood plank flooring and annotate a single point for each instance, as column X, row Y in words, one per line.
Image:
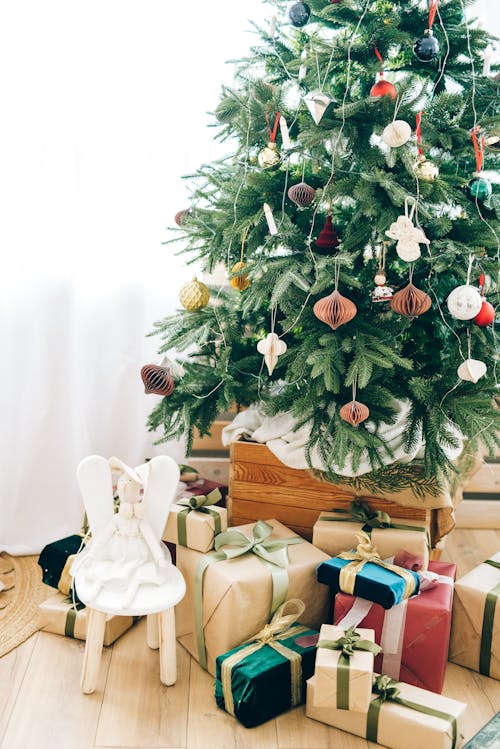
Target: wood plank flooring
column 41, row 706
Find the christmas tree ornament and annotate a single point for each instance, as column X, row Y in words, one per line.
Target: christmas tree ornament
column 487, row 60
column 396, row 134
column 408, row 236
column 327, row 240
column 354, row 413
column 423, row 168
column 380, row 278
column 194, row 295
column 382, row 87
column 486, row 314
column 269, row 156
column 271, row 223
column 285, row 135
column 240, row 282
column 478, row 188
column 317, row 103
column 271, row 347
column 381, row 292
column 299, row 14
column 335, row 310
column 157, row 380
column 492, row 142
column 180, row 216
column 302, row 195
column 464, row 302
column 410, row 301
column 471, row 370
column 426, row 48
column 303, row 65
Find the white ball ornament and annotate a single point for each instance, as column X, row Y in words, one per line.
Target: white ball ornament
column 464, row 302
column 397, row 133
column 471, row 370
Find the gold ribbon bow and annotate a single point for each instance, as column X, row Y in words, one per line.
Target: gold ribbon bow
column 367, row 552
column 279, row 628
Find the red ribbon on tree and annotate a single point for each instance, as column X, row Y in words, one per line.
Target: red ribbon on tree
column 478, row 147
column 273, row 132
column 378, row 56
column 418, row 130
column 433, row 6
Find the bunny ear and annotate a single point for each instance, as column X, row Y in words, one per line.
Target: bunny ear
column 161, row 479
column 118, row 465
column 96, row 486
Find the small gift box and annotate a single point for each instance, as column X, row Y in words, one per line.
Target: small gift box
column 363, row 573
column 233, row 592
column 475, row 628
column 400, row 716
column 415, row 634
column 56, row 559
column 344, row 668
column 261, row 679
column 195, row 521
column 59, row 615
column 335, row 532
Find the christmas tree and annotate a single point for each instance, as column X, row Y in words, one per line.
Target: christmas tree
column 359, row 233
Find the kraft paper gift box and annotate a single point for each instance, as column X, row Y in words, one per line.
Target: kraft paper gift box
column 426, row 721
column 195, row 521
column 335, row 532
column 415, row 634
column 230, row 599
column 58, row 615
column 344, row 668
column 262, row 679
column 475, row 628
column 375, row 580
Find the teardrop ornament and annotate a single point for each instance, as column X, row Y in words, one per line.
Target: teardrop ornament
column 335, row 310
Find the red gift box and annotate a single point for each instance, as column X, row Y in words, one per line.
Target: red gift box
column 414, row 635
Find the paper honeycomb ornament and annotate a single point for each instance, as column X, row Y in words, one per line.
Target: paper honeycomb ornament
column 335, row 310
column 239, row 282
column 301, row 194
column 397, row 133
column 317, row 103
column 327, row 239
column 410, row 301
column 194, row 295
column 180, row 216
column 157, row 380
column 354, row 413
column 471, row 370
column 271, row 347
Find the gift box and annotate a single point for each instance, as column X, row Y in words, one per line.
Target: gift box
column 335, row 532
column 363, row 573
column 195, row 521
column 59, row 615
column 56, row 559
column 344, row 668
column 414, row 635
column 233, row 592
column 260, row 680
column 475, row 629
column 400, row 716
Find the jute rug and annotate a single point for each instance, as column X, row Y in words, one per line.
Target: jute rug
column 21, row 590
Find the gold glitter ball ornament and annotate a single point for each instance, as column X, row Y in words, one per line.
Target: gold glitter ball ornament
column 269, row 156
column 194, row 295
column 425, row 169
column 239, row 282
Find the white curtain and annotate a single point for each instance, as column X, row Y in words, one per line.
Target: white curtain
column 104, row 108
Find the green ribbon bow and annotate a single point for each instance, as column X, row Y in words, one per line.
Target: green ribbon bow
column 273, row 553
column 488, row 620
column 347, row 644
column 197, row 503
column 362, row 513
column 387, row 691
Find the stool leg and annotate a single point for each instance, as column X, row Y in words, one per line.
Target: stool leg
column 93, row 650
column 153, row 631
column 168, row 661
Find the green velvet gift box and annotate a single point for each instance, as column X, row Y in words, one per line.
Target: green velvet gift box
column 55, row 560
column 262, row 679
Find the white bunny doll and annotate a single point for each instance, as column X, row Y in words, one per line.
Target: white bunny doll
column 124, row 552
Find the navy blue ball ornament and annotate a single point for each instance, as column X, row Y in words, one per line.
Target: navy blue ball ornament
column 426, row 48
column 299, row 14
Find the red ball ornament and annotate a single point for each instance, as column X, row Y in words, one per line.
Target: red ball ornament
column 383, row 88
column 486, row 315
column 327, row 240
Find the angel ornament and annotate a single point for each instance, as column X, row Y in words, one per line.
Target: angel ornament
column 409, row 237
column 125, row 552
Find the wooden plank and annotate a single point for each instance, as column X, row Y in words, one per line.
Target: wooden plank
column 486, row 480
column 50, row 711
column 13, row 668
column 478, row 513
column 213, row 440
column 297, row 731
column 137, row 709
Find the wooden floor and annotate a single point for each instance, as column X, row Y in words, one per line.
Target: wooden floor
column 41, row 706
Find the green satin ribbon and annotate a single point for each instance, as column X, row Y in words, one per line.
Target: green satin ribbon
column 69, row 624
column 197, row 503
column 273, row 553
column 348, row 644
column 488, row 620
column 360, row 512
column 387, row 690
